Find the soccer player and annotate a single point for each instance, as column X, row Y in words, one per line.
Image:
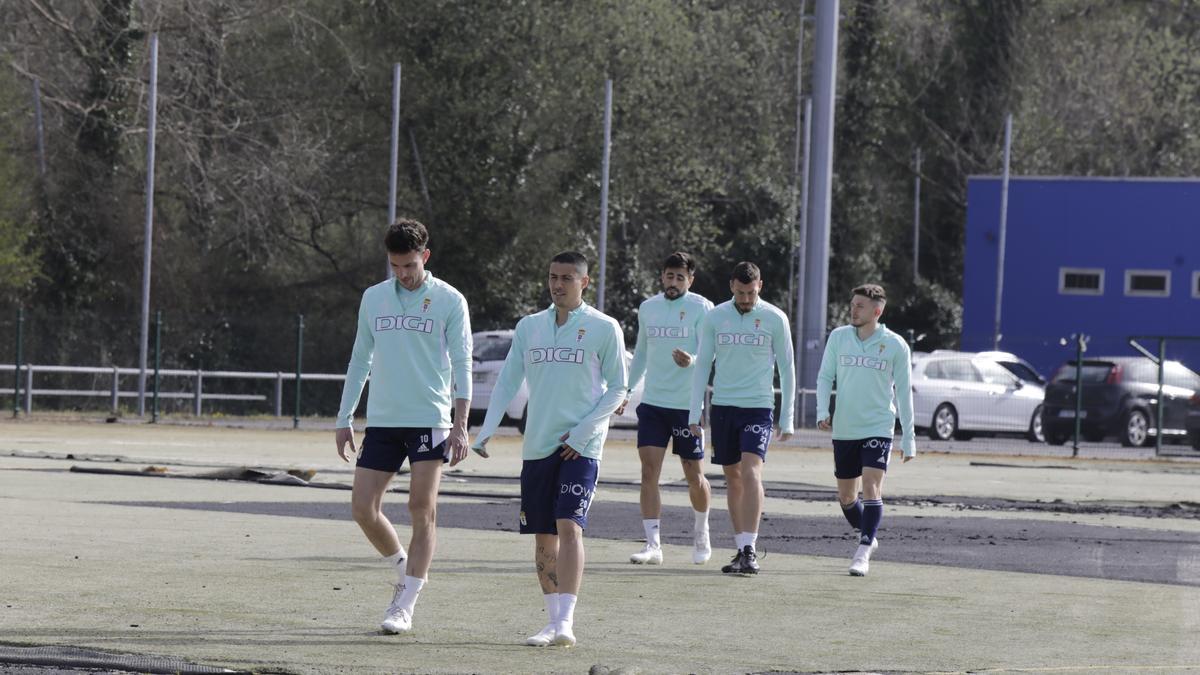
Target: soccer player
column 748, row 337
column 573, row 358
column 414, row 339
column 871, row 365
column 666, row 349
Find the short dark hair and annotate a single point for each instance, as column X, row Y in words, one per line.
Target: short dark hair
column 572, row 258
column 678, row 260
column 745, row 272
column 871, row 292
column 406, row 235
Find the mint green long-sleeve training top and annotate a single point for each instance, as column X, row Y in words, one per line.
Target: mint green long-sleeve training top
column 576, row 375
column 869, row 374
column 747, row 348
column 416, row 346
column 664, row 326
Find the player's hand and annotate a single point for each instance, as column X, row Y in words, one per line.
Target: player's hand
column 345, row 437
column 480, row 447
column 567, row 451
column 682, row 358
column 908, row 458
column 621, row 408
column 456, row 443
column 696, row 430
column 825, row 424
column 780, row 435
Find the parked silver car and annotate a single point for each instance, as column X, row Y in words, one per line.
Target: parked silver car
column 491, row 348
column 958, row 394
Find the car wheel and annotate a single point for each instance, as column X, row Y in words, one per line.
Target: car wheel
column 964, row 435
column 945, row 423
column 1196, row 441
column 1135, row 430
column 1035, row 433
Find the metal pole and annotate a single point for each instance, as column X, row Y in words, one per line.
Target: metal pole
column 917, row 220
column 798, row 335
column 608, row 93
column 39, row 127
column 394, row 159
column 1162, row 366
column 299, row 363
column 800, row 140
column 147, row 245
column 17, row 362
column 198, row 403
column 1003, row 230
column 115, row 390
column 1080, row 341
column 816, row 292
column 28, row 389
column 157, row 361
column 278, row 394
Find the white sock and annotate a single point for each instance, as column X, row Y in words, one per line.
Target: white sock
column 651, row 525
column 701, row 526
column 551, row 607
column 396, row 562
column 752, row 540
column 742, row 539
column 566, row 610
column 412, row 588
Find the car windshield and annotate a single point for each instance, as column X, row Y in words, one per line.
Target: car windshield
column 1093, row 373
column 491, row 348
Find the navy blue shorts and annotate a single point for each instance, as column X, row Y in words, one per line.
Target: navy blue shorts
column 849, row 457
column 553, row 488
column 736, row 430
column 385, row 448
column 658, row 425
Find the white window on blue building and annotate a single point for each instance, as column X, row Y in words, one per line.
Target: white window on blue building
column 1196, row 284
column 1080, row 281
column 1148, row 283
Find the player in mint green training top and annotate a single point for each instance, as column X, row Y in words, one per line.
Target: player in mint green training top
column 749, row 338
column 668, row 336
column 872, row 367
column 573, row 358
column 414, row 339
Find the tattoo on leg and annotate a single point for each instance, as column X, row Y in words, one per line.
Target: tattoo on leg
column 553, row 577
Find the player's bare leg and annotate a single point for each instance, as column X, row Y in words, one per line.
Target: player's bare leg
column 700, row 494
column 651, row 503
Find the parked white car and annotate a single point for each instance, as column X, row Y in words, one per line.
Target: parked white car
column 957, row 394
column 491, row 348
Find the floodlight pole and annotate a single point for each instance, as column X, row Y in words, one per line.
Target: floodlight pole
column 148, row 243
column 1003, row 230
column 603, row 252
column 394, row 158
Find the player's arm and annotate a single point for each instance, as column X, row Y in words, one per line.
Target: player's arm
column 637, row 368
column 825, row 377
column 902, row 376
column 512, row 373
column 612, row 369
column 705, row 352
column 356, row 377
column 785, row 363
column 459, row 345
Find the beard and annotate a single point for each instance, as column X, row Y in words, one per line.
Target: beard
column 671, row 292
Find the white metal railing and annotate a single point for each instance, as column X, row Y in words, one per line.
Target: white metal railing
column 115, row 393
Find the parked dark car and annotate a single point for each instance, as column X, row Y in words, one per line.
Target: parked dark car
column 1120, row 399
